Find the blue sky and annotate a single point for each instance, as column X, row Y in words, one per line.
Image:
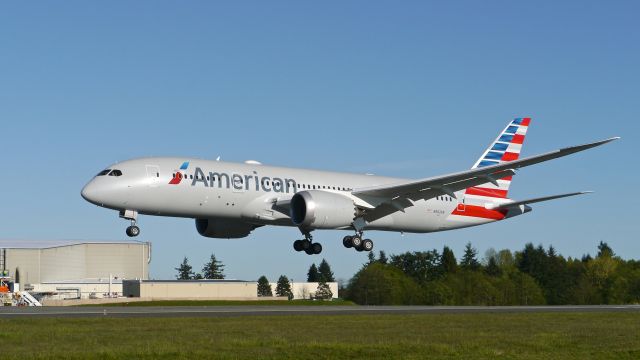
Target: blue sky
column 410, row 89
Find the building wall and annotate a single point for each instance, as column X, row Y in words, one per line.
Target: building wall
column 28, row 261
column 190, row 289
column 307, row 290
column 80, row 261
column 84, row 290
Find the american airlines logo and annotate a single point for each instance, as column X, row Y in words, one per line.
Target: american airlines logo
column 236, row 181
column 177, row 177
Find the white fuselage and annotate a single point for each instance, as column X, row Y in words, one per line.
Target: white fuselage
column 250, row 193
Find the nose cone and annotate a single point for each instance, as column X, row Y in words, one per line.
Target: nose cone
column 91, row 193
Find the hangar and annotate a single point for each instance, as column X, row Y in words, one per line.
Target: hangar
column 51, row 261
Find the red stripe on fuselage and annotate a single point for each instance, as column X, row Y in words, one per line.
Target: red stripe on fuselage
column 487, row 192
column 480, row 212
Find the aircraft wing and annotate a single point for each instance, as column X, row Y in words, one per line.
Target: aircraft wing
column 386, row 199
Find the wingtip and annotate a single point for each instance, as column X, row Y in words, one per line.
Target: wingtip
column 586, row 192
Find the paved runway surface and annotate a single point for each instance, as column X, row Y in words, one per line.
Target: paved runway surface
column 220, row 311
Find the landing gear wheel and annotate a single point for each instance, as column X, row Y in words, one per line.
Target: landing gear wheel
column 356, row 241
column 297, row 245
column 367, row 245
column 133, row 231
column 316, row 248
column 346, row 241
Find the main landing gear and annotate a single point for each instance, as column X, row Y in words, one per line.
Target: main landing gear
column 133, row 230
column 307, row 245
column 357, row 242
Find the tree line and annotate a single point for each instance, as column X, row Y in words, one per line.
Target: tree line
column 532, row 276
column 213, row 269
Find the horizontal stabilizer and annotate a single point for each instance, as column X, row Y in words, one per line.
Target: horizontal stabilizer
column 505, row 206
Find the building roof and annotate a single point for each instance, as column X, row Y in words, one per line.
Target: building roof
column 45, row 244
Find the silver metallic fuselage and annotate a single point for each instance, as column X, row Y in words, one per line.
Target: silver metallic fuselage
column 144, row 186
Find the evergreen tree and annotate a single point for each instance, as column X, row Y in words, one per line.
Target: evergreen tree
column 213, row 269
column 469, row 260
column 198, row 276
column 448, row 262
column 604, row 250
column 283, row 288
column 264, row 288
column 184, row 270
column 325, row 271
column 371, row 257
column 382, row 257
column 313, row 275
column 323, row 292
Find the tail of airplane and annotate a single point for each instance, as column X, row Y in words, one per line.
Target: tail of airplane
column 505, row 148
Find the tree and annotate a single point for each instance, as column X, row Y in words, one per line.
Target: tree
column 371, row 257
column 382, row 257
column 313, row 275
column 323, row 292
column 379, row 284
column 283, row 288
column 469, row 259
column 264, row 288
column 505, row 259
column 198, row 276
column 184, row 270
column 448, row 262
column 422, row 266
column 213, row 269
column 492, row 268
column 604, row 250
column 325, row 271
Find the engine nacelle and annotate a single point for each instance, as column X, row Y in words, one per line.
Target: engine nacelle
column 317, row 209
column 223, row 229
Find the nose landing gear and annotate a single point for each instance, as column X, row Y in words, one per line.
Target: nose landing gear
column 133, row 230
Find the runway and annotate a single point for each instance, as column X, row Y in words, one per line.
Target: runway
column 225, row 311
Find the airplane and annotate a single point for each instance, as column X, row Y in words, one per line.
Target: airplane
column 230, row 200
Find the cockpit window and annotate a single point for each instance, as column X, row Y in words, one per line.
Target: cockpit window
column 115, row 172
column 103, row 172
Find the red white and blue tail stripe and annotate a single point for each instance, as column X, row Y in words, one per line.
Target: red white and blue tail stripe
column 505, row 148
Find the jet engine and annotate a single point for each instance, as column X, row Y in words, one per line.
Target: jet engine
column 321, row 210
column 223, row 229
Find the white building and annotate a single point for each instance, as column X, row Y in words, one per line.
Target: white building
column 65, row 261
column 307, row 290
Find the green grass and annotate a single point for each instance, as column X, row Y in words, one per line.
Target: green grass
column 229, row 303
column 440, row 336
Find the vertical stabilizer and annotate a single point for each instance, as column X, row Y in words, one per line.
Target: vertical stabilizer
column 505, row 148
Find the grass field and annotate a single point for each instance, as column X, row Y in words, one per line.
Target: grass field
column 444, row 336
